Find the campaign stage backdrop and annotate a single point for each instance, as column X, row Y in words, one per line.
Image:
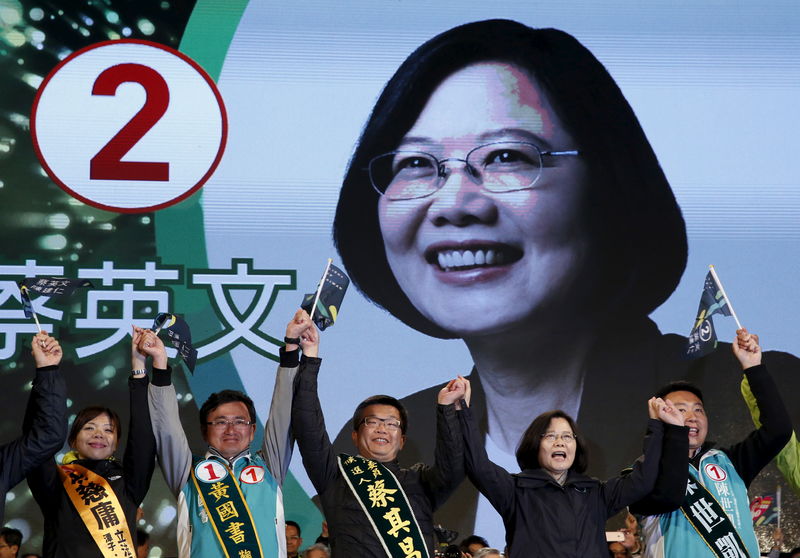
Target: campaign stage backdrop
column 247, row 137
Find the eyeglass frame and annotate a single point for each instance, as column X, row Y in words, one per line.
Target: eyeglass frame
column 553, row 436
column 223, row 423
column 387, row 425
column 471, row 169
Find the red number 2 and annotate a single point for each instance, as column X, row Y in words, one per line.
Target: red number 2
column 211, row 474
column 107, row 164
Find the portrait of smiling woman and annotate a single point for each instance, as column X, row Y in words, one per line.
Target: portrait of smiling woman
column 503, row 192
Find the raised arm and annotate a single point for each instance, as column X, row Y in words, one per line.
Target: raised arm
column 660, row 474
column 308, row 423
column 172, row 448
column 490, row 479
column 278, row 438
column 139, row 461
column 762, row 445
column 447, row 472
column 44, row 426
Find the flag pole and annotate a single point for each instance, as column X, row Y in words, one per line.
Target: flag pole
column 319, row 288
column 722, row 290
column 778, row 497
column 35, row 317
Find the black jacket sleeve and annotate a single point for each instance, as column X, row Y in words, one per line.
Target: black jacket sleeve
column 490, row 479
column 670, row 487
column 762, row 445
column 447, row 472
column 44, row 429
column 140, row 450
column 308, row 423
column 629, row 488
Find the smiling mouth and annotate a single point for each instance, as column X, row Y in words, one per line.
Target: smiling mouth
column 474, row 257
column 693, row 431
column 381, row 440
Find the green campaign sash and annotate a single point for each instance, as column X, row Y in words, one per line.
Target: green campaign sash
column 385, row 505
column 227, row 509
column 711, row 522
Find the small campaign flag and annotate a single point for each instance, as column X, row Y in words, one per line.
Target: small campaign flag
column 703, row 339
column 55, row 286
column 27, row 305
column 179, row 335
column 327, row 300
column 765, row 509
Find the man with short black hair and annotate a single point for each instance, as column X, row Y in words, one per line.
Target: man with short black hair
column 472, row 544
column 293, row 539
column 229, row 497
column 371, row 504
column 713, row 516
column 10, row 541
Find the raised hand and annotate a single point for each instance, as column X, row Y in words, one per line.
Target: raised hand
column 664, row 411
column 145, row 344
column 301, row 326
column 46, row 350
column 455, row 391
column 746, row 348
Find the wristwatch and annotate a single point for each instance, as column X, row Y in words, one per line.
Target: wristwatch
column 291, row 340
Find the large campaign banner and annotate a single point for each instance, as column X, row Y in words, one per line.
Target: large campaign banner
column 207, row 157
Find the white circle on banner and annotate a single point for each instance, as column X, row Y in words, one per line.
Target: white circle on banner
column 705, row 330
column 129, row 126
column 210, row 470
column 715, row 472
column 252, row 474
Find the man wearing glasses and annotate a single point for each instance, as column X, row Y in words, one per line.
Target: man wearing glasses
column 229, row 497
column 374, row 508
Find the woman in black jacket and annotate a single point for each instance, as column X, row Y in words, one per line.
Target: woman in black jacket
column 89, row 502
column 551, row 508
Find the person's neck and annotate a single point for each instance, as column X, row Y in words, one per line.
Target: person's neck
column 528, row 372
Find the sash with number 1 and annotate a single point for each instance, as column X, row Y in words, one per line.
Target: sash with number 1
column 711, row 522
column 386, row 506
column 227, row 509
column 99, row 509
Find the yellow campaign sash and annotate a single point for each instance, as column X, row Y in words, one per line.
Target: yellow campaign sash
column 386, row 506
column 100, row 510
column 228, row 513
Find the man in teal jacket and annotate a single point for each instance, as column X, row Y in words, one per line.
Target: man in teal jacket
column 713, row 519
column 229, row 497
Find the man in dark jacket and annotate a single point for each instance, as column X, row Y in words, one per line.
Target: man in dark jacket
column 369, row 501
column 47, row 409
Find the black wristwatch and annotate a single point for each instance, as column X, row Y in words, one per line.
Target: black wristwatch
column 291, row 340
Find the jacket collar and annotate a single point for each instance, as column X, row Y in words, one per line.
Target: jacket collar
column 536, row 478
column 212, row 452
